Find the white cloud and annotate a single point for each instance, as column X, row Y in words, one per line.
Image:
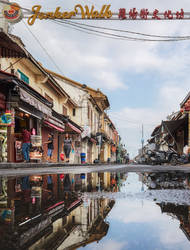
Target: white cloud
column 109, row 245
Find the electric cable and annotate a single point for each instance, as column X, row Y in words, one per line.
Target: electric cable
column 51, row 59
column 127, row 31
column 121, row 36
column 12, row 64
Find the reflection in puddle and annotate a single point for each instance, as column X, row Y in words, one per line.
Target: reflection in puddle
column 71, row 211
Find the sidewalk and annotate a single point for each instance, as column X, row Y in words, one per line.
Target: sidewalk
column 13, row 165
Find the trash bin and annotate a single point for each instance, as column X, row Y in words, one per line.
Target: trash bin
column 83, row 157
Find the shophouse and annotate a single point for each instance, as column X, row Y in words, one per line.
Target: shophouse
column 86, row 113
column 99, row 138
column 38, row 101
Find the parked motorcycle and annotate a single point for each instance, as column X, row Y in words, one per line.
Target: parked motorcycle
column 156, row 157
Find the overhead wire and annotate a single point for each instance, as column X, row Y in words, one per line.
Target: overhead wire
column 119, row 36
column 127, row 31
column 132, row 122
column 43, row 48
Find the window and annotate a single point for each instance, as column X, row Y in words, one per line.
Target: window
column 23, row 77
column 74, row 112
column 64, row 110
column 48, row 98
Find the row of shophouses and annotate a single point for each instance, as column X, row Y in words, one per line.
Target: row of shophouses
column 55, row 211
column 43, row 102
column 174, row 131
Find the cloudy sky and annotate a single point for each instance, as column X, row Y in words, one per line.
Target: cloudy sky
column 144, row 81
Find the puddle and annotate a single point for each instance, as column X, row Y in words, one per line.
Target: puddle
column 95, row 211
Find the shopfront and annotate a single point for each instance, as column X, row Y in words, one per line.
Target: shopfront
column 25, row 119
column 56, row 127
column 74, row 132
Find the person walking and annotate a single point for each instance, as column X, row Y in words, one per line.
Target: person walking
column 67, row 145
column 50, row 147
column 26, row 145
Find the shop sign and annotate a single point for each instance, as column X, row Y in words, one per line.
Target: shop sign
column 86, row 132
column 6, row 119
column 56, row 122
column 12, row 13
column 26, row 97
column 18, row 151
column 6, row 215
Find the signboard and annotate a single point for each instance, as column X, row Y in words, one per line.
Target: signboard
column 86, row 12
column 18, row 151
column 86, row 132
column 12, row 13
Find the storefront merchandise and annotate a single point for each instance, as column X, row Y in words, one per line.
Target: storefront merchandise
column 3, row 144
column 36, row 147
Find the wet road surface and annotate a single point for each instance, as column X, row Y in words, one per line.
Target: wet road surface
column 95, row 210
column 52, row 168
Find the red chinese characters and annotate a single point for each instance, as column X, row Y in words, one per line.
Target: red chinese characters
column 155, row 14
column 168, row 14
column 144, row 14
column 180, row 15
column 133, row 13
column 122, row 13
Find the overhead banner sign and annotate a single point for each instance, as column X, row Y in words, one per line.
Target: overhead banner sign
column 105, row 13
column 13, row 13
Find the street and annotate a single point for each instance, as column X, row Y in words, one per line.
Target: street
column 56, row 168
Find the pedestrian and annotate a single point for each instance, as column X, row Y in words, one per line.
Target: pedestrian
column 67, row 145
column 26, row 136
column 50, row 147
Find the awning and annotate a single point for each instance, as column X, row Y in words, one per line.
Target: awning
column 33, row 101
column 30, row 113
column 172, row 126
column 53, row 126
column 74, row 128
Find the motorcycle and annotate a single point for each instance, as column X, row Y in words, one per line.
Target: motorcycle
column 170, row 156
column 157, row 157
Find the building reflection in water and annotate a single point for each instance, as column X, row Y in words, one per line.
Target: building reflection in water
column 176, row 181
column 47, row 211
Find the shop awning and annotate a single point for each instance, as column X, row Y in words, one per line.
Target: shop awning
column 54, row 126
column 172, row 126
column 74, row 128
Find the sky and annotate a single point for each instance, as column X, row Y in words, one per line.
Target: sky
column 144, row 81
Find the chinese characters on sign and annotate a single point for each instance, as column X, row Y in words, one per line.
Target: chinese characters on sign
column 144, row 14
column 12, row 12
